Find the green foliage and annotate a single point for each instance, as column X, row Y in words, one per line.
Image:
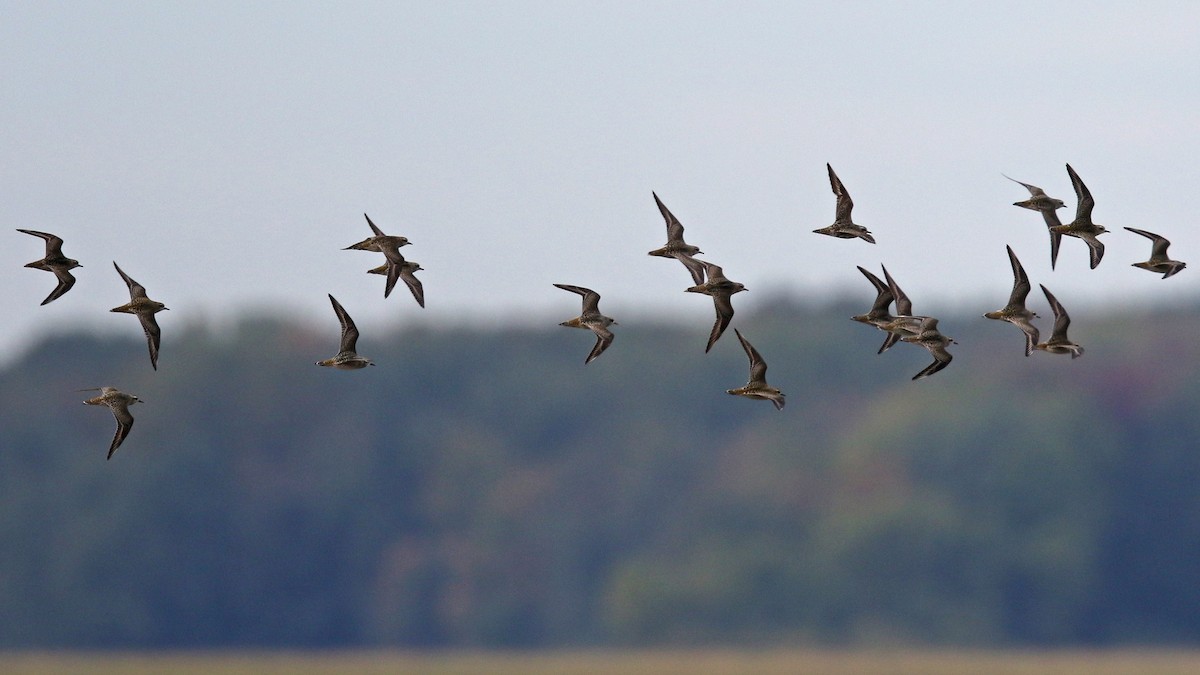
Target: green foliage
column 485, row 488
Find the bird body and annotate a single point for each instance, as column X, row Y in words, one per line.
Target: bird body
column 935, row 342
column 757, row 387
column 1047, row 206
column 346, row 358
column 1083, row 227
column 118, row 402
column 1015, row 311
column 145, row 309
column 54, row 261
column 379, row 242
column 676, row 247
column 1059, row 343
column 721, row 289
column 406, row 271
column 843, row 226
column 1159, row 262
column 591, row 319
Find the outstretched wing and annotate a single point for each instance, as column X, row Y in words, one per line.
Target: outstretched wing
column 1020, row 289
column 136, row 290
column 349, row 330
column 1083, row 210
column 758, row 367
column 378, row 232
column 674, row 227
column 844, row 203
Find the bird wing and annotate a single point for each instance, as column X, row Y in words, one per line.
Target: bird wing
column 378, row 232
column 1020, row 289
column 724, row 307
column 124, row 423
column 153, row 335
column 136, row 290
column 591, row 299
column 674, row 227
column 696, row 267
column 844, row 203
column 65, row 281
column 903, row 304
column 349, row 330
column 1061, row 319
column 414, row 284
column 1034, row 190
column 1083, row 210
column 604, row 338
column 758, row 367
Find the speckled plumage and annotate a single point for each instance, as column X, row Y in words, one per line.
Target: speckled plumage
column 145, row 309
column 929, row 337
column 591, row 319
column 757, row 387
column 676, row 247
column 54, row 261
column 721, row 290
column 904, row 323
column 1015, row 311
column 1047, row 206
column 1083, row 227
column 118, row 402
column 1059, row 343
column 405, row 270
column 1159, row 262
column 346, row 358
column 843, row 226
column 380, row 242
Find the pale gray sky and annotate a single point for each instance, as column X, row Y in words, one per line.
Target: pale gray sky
column 222, row 153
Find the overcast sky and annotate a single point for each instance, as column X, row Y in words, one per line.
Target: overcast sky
column 223, row 153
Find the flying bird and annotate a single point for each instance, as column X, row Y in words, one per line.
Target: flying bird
column 933, row 340
column 1158, row 262
column 757, row 387
column 1058, row 342
column 403, row 271
column 879, row 315
column 380, row 242
column 1083, row 227
column 591, row 319
column 843, row 227
column 1038, row 199
column 346, row 358
column 904, row 323
column 145, row 309
column 720, row 289
column 1015, row 311
column 1047, row 206
column 118, row 402
column 54, row 261
column 676, row 247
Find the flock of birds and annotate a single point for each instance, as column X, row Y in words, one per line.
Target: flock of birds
column 394, row 268
column 709, row 279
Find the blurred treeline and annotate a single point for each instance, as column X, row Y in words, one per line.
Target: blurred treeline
column 485, row 488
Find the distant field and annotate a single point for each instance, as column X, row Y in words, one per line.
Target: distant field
column 714, row 662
